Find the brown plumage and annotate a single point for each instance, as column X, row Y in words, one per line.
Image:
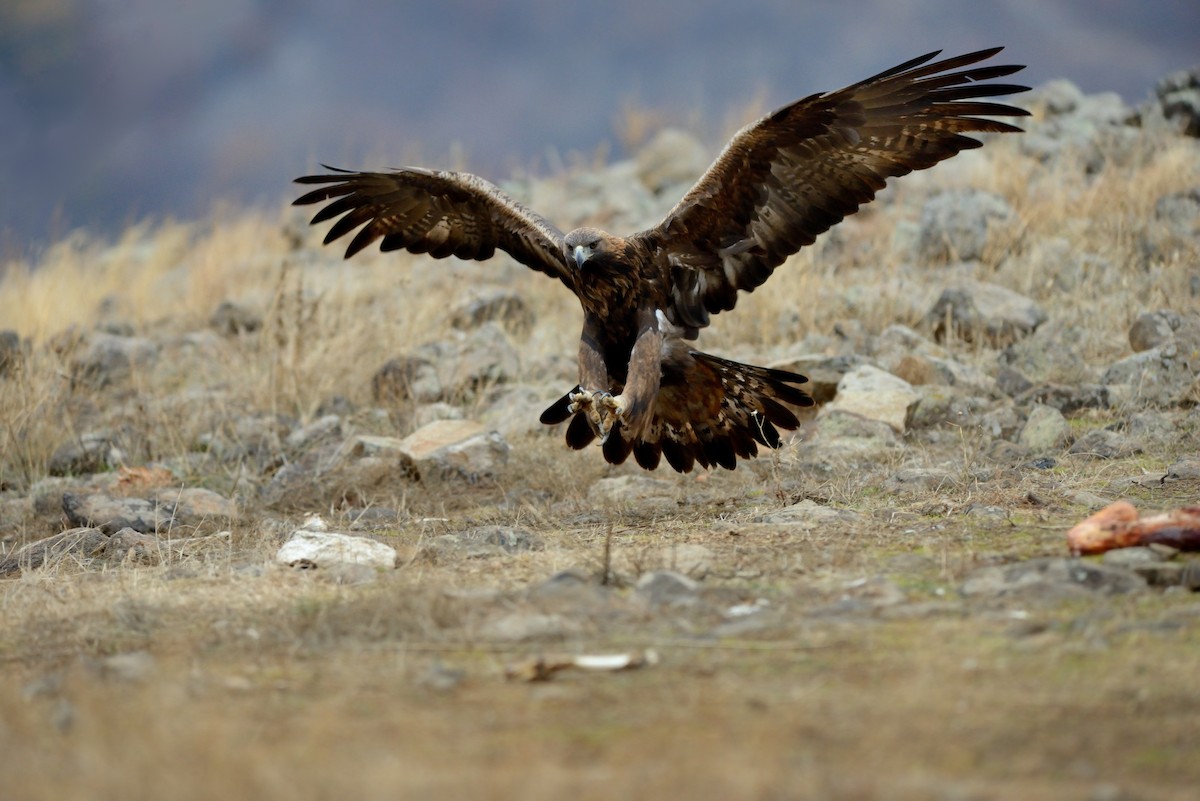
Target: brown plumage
column 779, row 183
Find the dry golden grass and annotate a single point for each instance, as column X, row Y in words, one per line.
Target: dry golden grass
column 263, row 683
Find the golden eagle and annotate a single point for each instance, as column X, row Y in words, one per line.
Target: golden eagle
column 779, row 183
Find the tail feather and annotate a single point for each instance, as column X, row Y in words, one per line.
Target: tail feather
column 709, row 411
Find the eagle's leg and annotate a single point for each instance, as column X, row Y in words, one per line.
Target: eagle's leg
column 634, row 406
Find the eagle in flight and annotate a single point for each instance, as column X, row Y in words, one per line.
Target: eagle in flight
column 778, row 184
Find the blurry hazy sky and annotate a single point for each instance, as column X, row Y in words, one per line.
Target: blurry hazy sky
column 113, row 110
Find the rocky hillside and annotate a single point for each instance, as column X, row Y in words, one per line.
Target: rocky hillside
column 999, row 346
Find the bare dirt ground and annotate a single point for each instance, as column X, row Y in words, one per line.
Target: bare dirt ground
column 816, row 627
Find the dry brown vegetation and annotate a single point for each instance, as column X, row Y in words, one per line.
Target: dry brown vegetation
column 215, row 673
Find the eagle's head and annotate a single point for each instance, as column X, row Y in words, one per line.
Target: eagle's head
column 585, row 244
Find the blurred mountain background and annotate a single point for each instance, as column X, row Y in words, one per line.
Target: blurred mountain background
column 116, row 110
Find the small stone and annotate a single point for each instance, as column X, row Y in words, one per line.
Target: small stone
column 1160, row 574
column 108, row 359
column 232, row 319
column 316, row 549
column 323, row 429
column 918, row 480
column 455, row 450
column 959, row 224
column 691, row 559
column 504, row 306
column 525, row 626
column 874, row 394
column 405, row 378
column 667, row 588
column 631, row 489
column 132, row 547
column 1012, row 382
column 809, row 515
column 508, row 538
column 977, row 311
column 1152, row 329
column 111, row 514
column 1050, row 577
column 1131, row 557
column 132, row 667
column 82, row 542
column 1102, row 444
column 1045, row 429
column 93, row 452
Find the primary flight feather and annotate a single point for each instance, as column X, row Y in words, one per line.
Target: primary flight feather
column 779, row 183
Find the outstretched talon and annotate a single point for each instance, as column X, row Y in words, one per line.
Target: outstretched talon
column 603, row 410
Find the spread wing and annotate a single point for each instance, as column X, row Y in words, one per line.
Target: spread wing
column 790, row 176
column 439, row 213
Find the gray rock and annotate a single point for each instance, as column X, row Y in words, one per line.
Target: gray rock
column 83, row 543
column 1089, row 127
column 874, row 394
column 918, row 480
column 1012, row 382
column 1045, row 430
column 107, row 359
column 959, row 224
column 485, row 358
column 810, row 515
column 689, row 558
column 508, row 538
column 514, row 409
column 256, row 439
column 132, row 667
column 1152, row 329
column 1152, row 428
column 503, row 306
column 941, row 404
column 1176, row 228
column 1102, row 444
column 977, row 311
column 181, row 513
column 232, row 319
column 427, row 413
column 93, row 452
column 1162, row 376
column 667, row 588
column 405, row 378
column 844, row 434
column 132, row 547
column 1050, row 577
column 1132, row 557
column 322, row 430
column 110, row 514
column 1052, row 354
column 1069, row 398
column 1186, row 469
column 526, row 626
column 194, row 508
column 633, row 489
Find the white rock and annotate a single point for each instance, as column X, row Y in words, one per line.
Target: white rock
column 307, row 548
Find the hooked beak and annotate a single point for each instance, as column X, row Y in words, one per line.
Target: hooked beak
column 582, row 254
